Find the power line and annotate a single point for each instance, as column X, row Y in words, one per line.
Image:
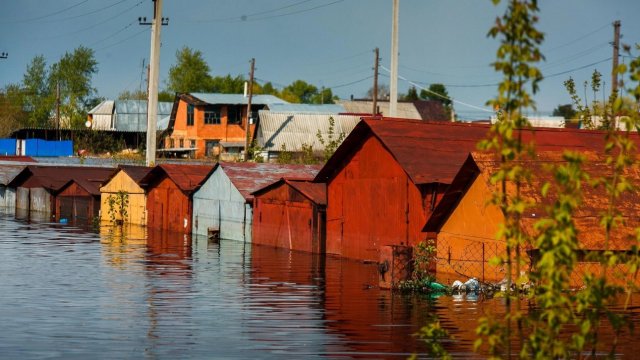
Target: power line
column 350, row 83
column 578, row 68
column 121, row 41
column 49, row 15
column 88, row 13
column 112, row 35
column 257, row 13
column 250, row 17
column 579, row 38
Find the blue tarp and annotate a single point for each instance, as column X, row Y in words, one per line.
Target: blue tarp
column 37, row 147
column 7, row 146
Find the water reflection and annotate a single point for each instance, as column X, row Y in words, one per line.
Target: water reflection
column 129, row 293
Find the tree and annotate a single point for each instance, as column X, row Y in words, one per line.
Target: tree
column 383, row 92
column 12, row 113
column 190, row 73
column 412, row 94
column 565, row 111
column 325, row 96
column 38, row 97
column 227, row 84
column 73, row 73
column 436, row 92
column 301, row 91
column 133, row 95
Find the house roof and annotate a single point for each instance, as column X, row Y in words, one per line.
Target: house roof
column 293, row 130
column 586, row 216
column 187, row 178
column 131, row 115
column 17, row 158
column 104, row 108
column 433, row 152
column 405, row 110
column 308, row 108
column 53, row 178
column 230, row 99
column 8, row 172
column 432, row 110
column 316, row 192
column 249, row 177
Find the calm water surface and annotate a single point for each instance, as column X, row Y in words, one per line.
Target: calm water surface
column 69, row 293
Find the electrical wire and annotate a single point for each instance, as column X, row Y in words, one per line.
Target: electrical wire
column 245, row 17
column 579, row 38
column 48, row 15
column 112, row 35
column 295, row 12
column 250, row 17
column 121, row 41
column 88, row 13
column 578, row 68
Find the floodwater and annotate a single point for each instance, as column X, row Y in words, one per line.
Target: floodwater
column 74, row 294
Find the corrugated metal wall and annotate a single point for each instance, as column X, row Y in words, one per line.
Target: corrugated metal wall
column 8, row 199
column 39, row 200
column 38, row 147
column 220, row 206
column 7, row 146
column 168, row 207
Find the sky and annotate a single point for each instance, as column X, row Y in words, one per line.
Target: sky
column 324, row 42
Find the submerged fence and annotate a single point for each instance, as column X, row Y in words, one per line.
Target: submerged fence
column 36, row 147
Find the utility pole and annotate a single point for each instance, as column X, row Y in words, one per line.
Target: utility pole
column 246, row 140
column 393, row 85
column 154, row 65
column 374, row 111
column 616, row 50
column 58, row 110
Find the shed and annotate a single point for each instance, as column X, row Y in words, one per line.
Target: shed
column 170, row 188
column 224, row 204
column 291, row 214
column 78, row 200
column 131, row 115
column 36, row 185
column 465, row 224
column 101, row 116
column 8, row 194
column 125, row 179
column 389, row 174
column 278, row 130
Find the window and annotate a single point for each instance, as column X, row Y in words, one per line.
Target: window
column 211, row 147
column 212, row 115
column 234, row 115
column 172, row 143
column 189, row 115
column 192, row 144
column 181, row 143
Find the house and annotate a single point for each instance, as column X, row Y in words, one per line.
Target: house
column 169, row 195
column 36, row 186
column 127, row 180
column 465, row 223
column 8, row 194
column 291, row 214
column 223, row 205
column 126, row 115
column 78, row 201
column 278, row 131
column 207, row 125
column 388, row 175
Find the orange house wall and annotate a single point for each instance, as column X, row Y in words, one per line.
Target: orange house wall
column 201, row 132
column 372, row 203
column 168, row 207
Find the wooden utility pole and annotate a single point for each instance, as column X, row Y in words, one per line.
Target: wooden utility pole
column 246, row 140
column 616, row 50
column 154, row 65
column 393, row 84
column 375, row 82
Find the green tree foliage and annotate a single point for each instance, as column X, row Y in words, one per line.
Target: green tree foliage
column 565, row 111
column 73, row 73
column 227, row 84
column 324, row 96
column 12, row 112
column 299, row 91
column 411, row 95
column 38, row 96
column 190, row 73
column 118, row 207
column 437, row 92
column 166, row 96
column 332, row 142
column 133, row 95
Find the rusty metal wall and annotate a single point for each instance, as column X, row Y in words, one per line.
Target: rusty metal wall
column 168, row 208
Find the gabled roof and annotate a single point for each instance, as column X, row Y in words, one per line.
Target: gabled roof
column 187, row 178
column 92, row 186
column 405, row 110
column 249, row 177
column 433, row 152
column 229, row 99
column 315, row 192
column 136, row 173
column 53, row 178
column 308, row 108
column 293, row 130
column 8, row 172
column 480, row 166
column 432, row 110
column 104, row 108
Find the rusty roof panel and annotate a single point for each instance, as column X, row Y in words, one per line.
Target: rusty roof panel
column 188, row 178
column 316, row 192
column 250, row 177
column 54, row 178
column 136, row 173
column 8, row 172
column 434, row 151
column 17, row 158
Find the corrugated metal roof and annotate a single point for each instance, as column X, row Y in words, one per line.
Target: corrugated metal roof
column 104, row 108
column 431, row 110
column 188, row 178
column 316, row 192
column 8, row 172
column 54, row 178
column 135, row 172
column 236, row 99
column 433, row 152
column 131, row 115
column 250, row 177
column 586, row 217
column 405, row 110
column 293, row 130
column 308, row 108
